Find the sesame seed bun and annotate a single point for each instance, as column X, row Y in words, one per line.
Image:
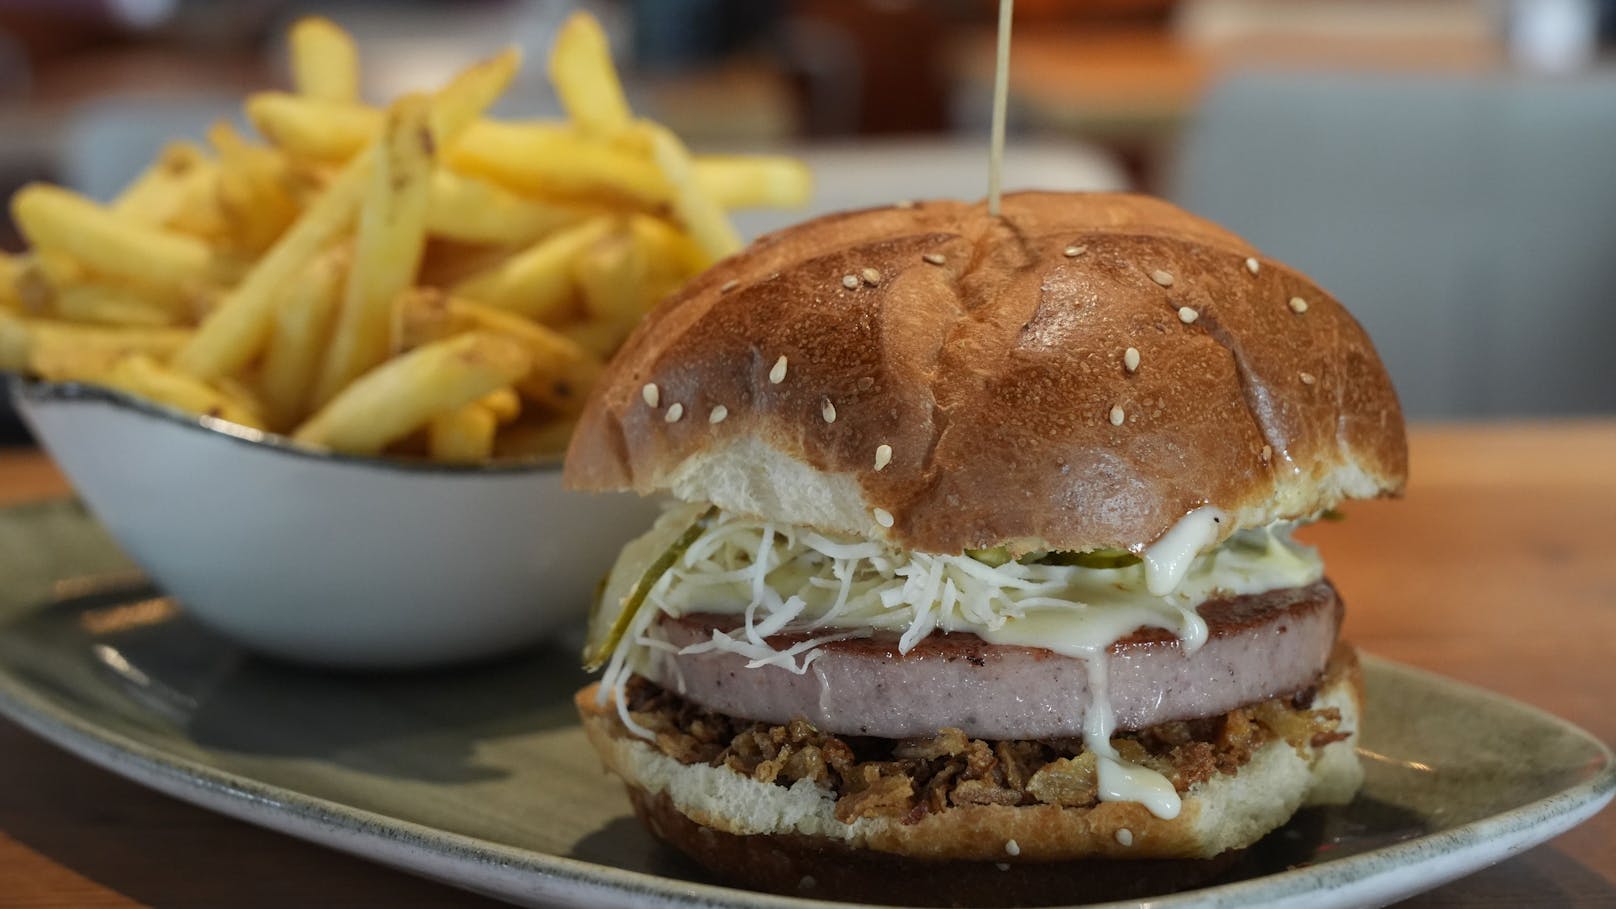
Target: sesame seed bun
column 991, row 357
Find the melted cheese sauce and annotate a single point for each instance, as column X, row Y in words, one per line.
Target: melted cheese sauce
column 787, row 578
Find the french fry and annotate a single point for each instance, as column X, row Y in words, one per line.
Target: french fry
column 537, row 282
column 707, row 223
column 243, row 396
column 387, row 249
column 195, row 205
column 459, row 104
column 58, row 220
column 11, row 270
column 16, row 343
column 421, row 315
column 754, row 181
column 141, row 375
column 303, row 319
column 527, row 441
column 562, row 372
column 585, row 80
column 253, row 193
column 335, row 131
column 403, row 394
column 670, row 252
column 325, row 63
column 55, row 350
column 552, row 160
column 612, row 277
column 235, row 331
column 504, row 404
column 598, row 337
column 108, row 304
column 314, row 129
column 471, row 210
column 463, row 435
column 160, row 191
column 238, row 327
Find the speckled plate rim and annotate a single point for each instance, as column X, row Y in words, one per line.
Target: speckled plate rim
column 1369, row 878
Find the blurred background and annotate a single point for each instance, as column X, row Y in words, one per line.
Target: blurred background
column 1445, row 167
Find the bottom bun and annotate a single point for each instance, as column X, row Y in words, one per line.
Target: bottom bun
column 819, row 868
column 788, row 839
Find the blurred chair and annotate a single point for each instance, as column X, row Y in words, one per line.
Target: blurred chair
column 1468, row 222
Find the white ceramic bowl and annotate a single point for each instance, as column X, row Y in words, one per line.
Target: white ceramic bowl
column 364, row 563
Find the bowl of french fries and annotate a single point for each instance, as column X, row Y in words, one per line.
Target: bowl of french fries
column 317, row 382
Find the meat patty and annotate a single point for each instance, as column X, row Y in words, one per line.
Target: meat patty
column 1258, row 646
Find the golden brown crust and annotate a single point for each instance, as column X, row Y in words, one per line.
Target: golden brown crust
column 993, row 375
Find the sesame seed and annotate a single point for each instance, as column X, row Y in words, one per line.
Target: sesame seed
column 718, row 414
column 828, row 411
column 778, row 373
column 1130, row 359
column 871, row 276
column 1267, row 453
column 882, row 516
column 1252, row 265
column 1117, row 416
column 651, row 394
column 729, row 285
column 1187, row 315
column 1012, row 847
column 883, row 456
column 675, row 411
column 1298, row 305
column 1162, row 278
column 904, row 203
column 1002, row 866
column 934, row 258
column 1307, row 378
column 850, row 282
column 1125, row 836
column 1072, row 252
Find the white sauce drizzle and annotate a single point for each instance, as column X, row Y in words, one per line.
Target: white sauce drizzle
column 1169, row 558
column 780, row 577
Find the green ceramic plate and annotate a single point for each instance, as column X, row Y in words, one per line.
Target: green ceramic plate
column 482, row 778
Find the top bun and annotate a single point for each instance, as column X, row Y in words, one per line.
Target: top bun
column 989, row 357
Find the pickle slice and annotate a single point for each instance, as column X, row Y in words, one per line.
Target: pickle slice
column 1098, row 558
column 993, row 558
column 597, row 657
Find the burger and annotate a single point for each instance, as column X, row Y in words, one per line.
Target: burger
column 977, row 583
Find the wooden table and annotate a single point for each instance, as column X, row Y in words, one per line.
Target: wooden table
column 1497, row 569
